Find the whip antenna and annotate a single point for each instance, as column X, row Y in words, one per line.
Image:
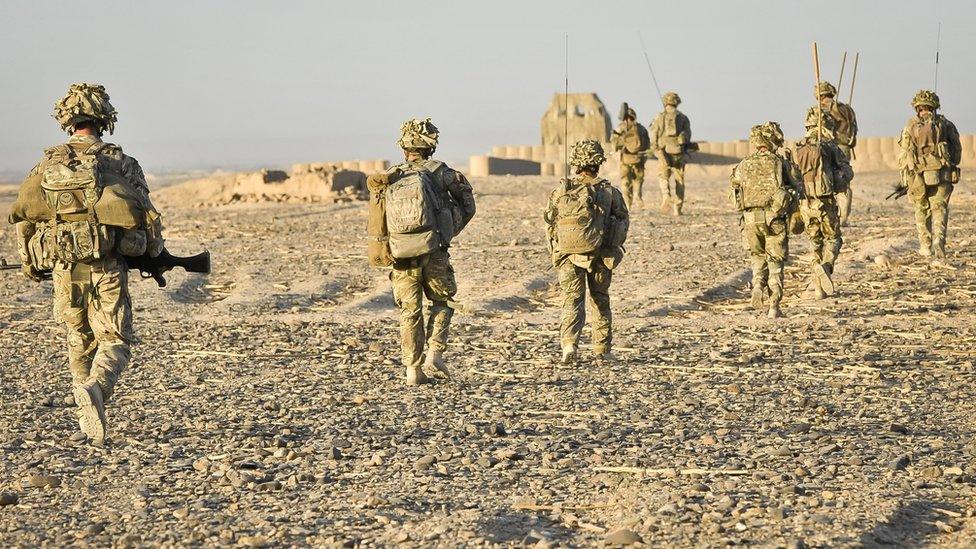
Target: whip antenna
column 938, row 44
column 648, row 61
column 566, row 113
column 843, row 64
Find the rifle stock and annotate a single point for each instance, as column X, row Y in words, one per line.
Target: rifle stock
column 156, row 267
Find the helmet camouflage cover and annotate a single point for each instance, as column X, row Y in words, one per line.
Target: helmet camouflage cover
column 672, row 99
column 85, row 102
column 418, row 134
column 925, row 98
column 759, row 136
column 775, row 133
column 587, row 152
column 826, row 88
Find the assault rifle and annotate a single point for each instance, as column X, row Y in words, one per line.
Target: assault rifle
column 900, row 191
column 148, row 267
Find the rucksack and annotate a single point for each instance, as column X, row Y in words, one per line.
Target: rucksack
column 71, row 187
column 636, row 140
column 412, row 210
column 759, row 178
column 815, row 169
column 581, row 218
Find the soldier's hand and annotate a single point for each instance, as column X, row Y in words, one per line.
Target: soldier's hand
column 30, row 272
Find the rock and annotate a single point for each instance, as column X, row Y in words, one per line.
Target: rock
column 931, row 473
column 497, row 430
column 425, row 462
column 94, row 529
column 952, row 471
column 78, row 436
column 796, row 543
column 69, row 400
column 623, row 536
column 882, row 261
column 201, row 465
column 334, row 453
column 899, row 463
column 43, row 481
column 8, row 498
column 898, row 428
column 252, row 541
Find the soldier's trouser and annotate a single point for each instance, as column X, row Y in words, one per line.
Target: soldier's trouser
column 668, row 165
column 767, row 242
column 574, row 282
column 92, row 301
column 823, row 229
column 632, row 182
column 844, row 198
column 433, row 278
column 931, row 196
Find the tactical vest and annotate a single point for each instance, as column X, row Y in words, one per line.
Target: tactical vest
column 636, row 141
column 582, row 216
column 932, row 151
column 72, row 187
column 816, row 169
column 419, row 217
column 759, row 179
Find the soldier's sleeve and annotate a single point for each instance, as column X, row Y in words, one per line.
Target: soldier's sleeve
column 655, row 133
column 853, row 126
column 133, row 174
column 28, row 194
column 685, row 129
column 615, row 143
column 844, row 169
column 906, row 156
column 462, row 193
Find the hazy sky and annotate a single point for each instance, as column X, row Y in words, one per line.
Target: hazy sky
column 246, row 83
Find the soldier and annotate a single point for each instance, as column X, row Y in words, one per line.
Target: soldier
column 670, row 138
column 929, row 160
column 587, row 223
column 845, row 135
column 83, row 207
column 762, row 190
column 442, row 200
column 825, row 172
column 631, row 141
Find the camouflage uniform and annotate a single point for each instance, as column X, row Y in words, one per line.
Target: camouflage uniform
column 593, row 269
column 670, row 135
column 765, row 201
column 929, row 160
column 825, row 172
column 91, row 295
column 845, row 136
column 430, row 275
column 632, row 160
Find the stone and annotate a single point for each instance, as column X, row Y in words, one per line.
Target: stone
column 425, row 462
column 899, row 463
column 8, row 498
column 623, row 537
column 898, row 428
column 43, row 481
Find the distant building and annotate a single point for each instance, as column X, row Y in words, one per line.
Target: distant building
column 588, row 119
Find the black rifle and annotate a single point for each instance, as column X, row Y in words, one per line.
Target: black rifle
column 148, row 267
column 156, row 267
column 900, row 191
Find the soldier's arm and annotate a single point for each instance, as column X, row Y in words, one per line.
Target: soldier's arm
column 853, row 126
column 844, row 169
column 685, row 133
column 906, row 156
column 955, row 146
column 133, row 174
column 462, row 193
column 655, row 133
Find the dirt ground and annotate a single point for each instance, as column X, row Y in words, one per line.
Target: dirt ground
column 265, row 404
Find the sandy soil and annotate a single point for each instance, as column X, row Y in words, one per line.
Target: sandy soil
column 265, row 405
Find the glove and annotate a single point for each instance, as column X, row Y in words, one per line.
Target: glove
column 30, row 272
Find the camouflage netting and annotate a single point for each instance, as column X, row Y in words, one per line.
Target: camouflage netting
column 85, row 102
column 826, row 88
column 761, row 136
column 418, row 134
column 926, row 98
column 587, row 152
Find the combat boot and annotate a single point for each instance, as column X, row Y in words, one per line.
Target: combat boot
column 435, row 362
column 775, row 311
column 758, row 293
column 91, row 411
column 823, row 281
column 569, row 354
column 600, row 355
column 676, row 209
column 639, row 203
column 924, row 250
column 664, row 205
column 416, row 376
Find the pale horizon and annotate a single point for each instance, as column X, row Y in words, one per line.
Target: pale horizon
column 249, row 84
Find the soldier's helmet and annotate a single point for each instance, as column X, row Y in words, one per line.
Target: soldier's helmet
column 926, row 98
column 587, row 153
column 85, row 102
column 759, row 136
column 775, row 133
column 671, row 99
column 418, row 134
column 631, row 113
column 826, row 88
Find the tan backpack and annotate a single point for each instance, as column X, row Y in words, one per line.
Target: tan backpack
column 815, row 169
column 758, row 181
column 581, row 217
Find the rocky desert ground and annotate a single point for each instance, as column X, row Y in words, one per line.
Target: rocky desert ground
column 265, row 405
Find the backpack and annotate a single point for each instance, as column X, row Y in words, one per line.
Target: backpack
column 815, row 169
column 412, row 214
column 636, row 140
column 71, row 187
column 759, row 179
column 581, row 218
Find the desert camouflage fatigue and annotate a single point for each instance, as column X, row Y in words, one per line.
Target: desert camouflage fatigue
column 574, row 282
column 767, row 242
column 844, row 198
column 632, row 182
column 92, row 301
column 432, row 276
column 669, row 165
column 931, row 202
column 823, row 229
